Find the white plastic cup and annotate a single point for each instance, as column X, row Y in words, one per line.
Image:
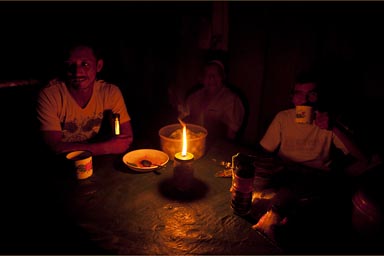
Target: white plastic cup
column 304, row 114
column 82, row 161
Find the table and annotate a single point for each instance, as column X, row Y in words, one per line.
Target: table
column 127, row 212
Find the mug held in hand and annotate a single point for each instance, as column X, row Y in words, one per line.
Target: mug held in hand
column 304, row 114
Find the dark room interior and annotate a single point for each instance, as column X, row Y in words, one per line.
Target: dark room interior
column 154, row 50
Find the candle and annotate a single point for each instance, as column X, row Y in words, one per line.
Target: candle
column 183, row 170
column 184, row 154
column 184, row 158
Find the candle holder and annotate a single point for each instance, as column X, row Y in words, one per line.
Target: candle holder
column 183, row 171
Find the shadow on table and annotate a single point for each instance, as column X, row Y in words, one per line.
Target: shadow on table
column 33, row 219
column 198, row 189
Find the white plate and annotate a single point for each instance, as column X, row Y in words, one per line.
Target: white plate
column 133, row 159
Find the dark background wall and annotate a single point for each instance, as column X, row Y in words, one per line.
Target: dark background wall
column 155, row 47
column 271, row 42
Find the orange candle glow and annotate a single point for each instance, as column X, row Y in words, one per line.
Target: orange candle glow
column 184, row 154
column 185, row 142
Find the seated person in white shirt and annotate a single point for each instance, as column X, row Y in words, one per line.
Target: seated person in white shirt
column 309, row 145
column 214, row 105
column 71, row 109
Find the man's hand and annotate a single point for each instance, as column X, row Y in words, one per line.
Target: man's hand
column 322, row 120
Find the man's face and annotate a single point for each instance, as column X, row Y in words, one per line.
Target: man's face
column 82, row 67
column 304, row 94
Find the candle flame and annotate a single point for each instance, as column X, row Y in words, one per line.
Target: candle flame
column 184, row 148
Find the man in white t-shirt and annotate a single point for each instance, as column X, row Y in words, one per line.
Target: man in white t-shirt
column 214, row 105
column 71, row 110
column 305, row 144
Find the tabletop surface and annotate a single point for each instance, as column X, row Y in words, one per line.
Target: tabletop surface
column 128, row 212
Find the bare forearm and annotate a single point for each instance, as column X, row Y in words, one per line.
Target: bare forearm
column 113, row 145
column 116, row 145
column 351, row 145
column 362, row 160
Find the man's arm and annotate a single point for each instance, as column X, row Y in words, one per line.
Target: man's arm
column 115, row 145
column 361, row 159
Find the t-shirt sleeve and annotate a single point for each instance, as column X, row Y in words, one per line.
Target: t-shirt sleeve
column 339, row 144
column 46, row 112
column 236, row 114
column 118, row 104
column 272, row 138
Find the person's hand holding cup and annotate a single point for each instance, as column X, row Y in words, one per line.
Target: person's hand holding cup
column 304, row 114
column 322, row 120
